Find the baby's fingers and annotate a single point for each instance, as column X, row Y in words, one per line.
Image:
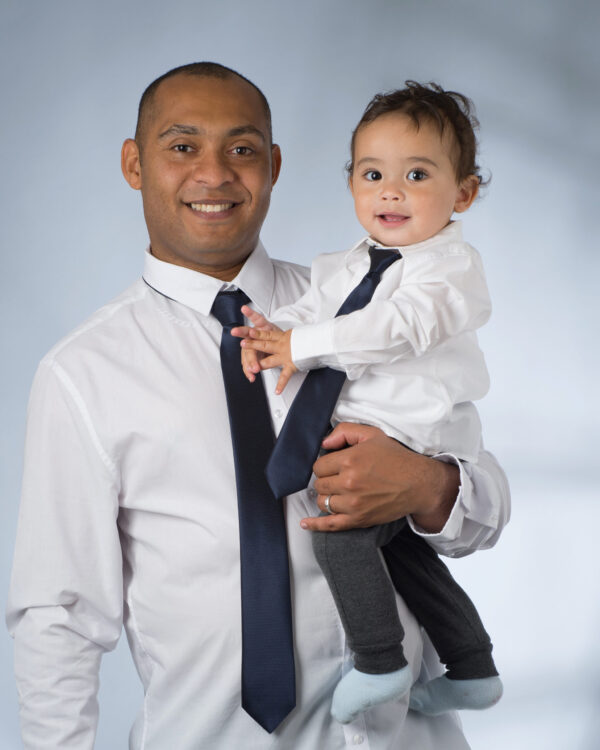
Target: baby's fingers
column 260, row 345
column 256, row 318
column 262, row 334
column 250, row 364
column 284, row 377
column 268, row 362
column 242, row 332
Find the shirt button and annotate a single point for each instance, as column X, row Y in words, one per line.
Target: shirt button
column 358, row 739
column 312, row 494
column 278, row 413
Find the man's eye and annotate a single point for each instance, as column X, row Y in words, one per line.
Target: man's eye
column 372, row 175
column 416, row 175
column 242, row 150
column 182, row 148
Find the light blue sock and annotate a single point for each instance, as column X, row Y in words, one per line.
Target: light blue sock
column 441, row 695
column 358, row 691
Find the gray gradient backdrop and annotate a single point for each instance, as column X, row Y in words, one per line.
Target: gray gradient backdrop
column 72, row 236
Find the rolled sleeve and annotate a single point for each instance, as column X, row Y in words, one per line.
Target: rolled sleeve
column 312, row 345
column 481, row 510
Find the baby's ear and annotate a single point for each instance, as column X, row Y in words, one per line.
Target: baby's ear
column 466, row 193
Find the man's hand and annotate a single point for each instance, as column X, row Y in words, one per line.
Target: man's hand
column 373, row 479
column 265, row 346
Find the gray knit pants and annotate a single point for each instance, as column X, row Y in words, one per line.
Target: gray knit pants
column 365, row 600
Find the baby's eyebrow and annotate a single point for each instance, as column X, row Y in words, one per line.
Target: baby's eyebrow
column 374, row 160
column 371, row 159
column 425, row 159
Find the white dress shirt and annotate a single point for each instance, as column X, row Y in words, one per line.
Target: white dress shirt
column 411, row 355
column 129, row 516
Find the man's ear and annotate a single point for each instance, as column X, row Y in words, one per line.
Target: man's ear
column 467, row 192
column 275, row 163
column 130, row 163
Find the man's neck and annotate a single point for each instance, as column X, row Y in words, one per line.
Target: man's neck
column 226, row 272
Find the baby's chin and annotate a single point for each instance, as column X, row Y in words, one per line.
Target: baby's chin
column 403, row 237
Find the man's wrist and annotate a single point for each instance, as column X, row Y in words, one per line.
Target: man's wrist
column 443, row 480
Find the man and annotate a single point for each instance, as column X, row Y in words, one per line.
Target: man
column 129, row 511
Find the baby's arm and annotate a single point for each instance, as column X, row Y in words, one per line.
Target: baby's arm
column 264, row 346
column 440, row 295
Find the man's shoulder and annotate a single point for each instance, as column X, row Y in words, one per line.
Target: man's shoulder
column 291, row 280
column 100, row 327
column 286, row 267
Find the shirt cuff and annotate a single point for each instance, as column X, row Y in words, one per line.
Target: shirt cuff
column 453, row 526
column 312, row 345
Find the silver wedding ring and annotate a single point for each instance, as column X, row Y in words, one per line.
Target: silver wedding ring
column 328, row 507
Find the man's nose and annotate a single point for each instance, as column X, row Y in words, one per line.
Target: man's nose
column 212, row 169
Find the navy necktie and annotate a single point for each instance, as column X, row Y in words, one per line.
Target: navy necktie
column 268, row 679
column 309, row 418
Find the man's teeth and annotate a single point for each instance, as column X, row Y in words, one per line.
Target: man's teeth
column 211, row 208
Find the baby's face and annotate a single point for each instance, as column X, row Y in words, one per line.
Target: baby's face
column 404, row 182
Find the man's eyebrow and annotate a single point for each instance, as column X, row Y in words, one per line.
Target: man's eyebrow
column 178, row 129
column 246, row 130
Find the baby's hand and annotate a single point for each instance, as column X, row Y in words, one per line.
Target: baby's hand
column 258, row 321
column 275, row 348
column 251, row 357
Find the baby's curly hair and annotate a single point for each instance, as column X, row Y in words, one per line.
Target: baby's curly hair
column 430, row 103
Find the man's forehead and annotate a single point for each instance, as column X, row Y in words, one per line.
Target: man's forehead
column 201, row 101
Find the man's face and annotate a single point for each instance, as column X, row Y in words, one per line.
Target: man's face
column 206, row 169
column 404, row 182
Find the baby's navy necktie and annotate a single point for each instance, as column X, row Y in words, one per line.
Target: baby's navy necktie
column 268, row 679
column 309, row 418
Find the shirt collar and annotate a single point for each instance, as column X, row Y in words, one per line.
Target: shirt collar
column 198, row 290
column 452, row 232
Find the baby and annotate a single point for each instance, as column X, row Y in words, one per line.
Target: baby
column 413, row 368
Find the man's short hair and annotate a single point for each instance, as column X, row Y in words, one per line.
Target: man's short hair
column 201, row 69
column 443, row 109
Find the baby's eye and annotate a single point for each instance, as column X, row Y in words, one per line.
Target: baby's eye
column 372, row 175
column 416, row 175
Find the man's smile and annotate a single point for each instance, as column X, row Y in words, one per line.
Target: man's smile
column 213, row 209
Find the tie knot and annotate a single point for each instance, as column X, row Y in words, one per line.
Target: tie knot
column 382, row 258
column 227, row 308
